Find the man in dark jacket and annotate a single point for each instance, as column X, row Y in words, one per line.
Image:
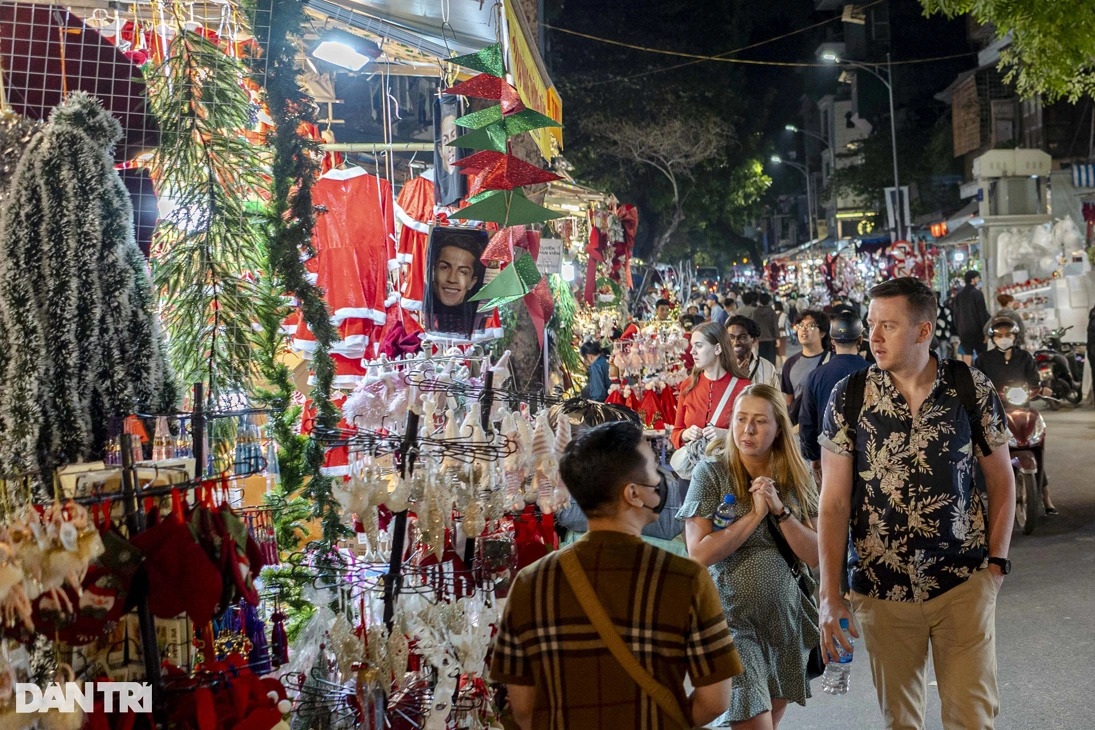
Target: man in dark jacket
column 767, row 320
column 970, row 317
column 1090, row 380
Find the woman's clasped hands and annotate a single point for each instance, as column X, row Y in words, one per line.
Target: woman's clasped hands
column 765, row 496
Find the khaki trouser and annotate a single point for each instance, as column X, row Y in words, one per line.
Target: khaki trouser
column 960, row 626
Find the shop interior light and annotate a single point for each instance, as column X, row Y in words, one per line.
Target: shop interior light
column 959, row 257
column 830, row 57
column 345, row 50
column 568, row 272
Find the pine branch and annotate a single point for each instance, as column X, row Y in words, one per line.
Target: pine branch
column 207, row 249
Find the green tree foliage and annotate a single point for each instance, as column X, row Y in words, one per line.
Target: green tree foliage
column 1052, row 51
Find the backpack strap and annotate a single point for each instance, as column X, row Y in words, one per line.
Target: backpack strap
column 853, row 408
column 853, row 400
column 962, row 379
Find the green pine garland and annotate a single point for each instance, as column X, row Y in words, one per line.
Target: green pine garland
column 206, row 250
column 562, row 324
column 304, row 492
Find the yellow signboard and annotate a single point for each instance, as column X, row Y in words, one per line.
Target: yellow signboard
column 531, row 80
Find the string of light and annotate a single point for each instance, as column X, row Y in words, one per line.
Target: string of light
column 699, row 58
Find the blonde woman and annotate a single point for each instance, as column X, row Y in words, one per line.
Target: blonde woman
column 773, row 623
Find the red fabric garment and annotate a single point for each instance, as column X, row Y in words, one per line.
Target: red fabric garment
column 695, row 407
column 668, row 400
column 414, row 210
column 355, row 249
column 354, row 239
column 336, row 460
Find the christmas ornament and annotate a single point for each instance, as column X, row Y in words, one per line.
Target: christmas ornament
column 487, row 60
column 508, row 173
column 506, row 208
column 80, row 341
column 502, row 244
column 514, row 282
column 486, row 86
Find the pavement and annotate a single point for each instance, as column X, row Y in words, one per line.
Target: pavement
column 1045, row 617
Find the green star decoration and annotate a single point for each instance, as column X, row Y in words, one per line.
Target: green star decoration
column 488, row 60
column 506, row 208
column 511, row 284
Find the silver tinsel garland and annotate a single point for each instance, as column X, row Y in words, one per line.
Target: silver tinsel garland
column 16, row 131
column 79, row 342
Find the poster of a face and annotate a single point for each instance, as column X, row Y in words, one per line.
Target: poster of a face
column 455, row 274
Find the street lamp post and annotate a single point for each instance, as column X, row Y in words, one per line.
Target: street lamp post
column 832, row 160
column 810, row 218
column 831, row 57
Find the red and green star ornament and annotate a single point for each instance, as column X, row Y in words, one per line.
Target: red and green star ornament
column 491, row 138
column 476, row 163
column 502, row 244
column 506, row 208
column 511, row 284
column 486, row 86
column 507, row 173
column 540, row 306
column 487, row 60
column 481, row 118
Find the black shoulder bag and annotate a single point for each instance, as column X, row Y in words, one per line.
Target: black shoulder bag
column 815, row 664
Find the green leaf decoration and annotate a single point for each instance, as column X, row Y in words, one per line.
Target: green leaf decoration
column 507, row 208
column 488, row 60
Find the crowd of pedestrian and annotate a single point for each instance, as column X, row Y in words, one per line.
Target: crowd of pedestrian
column 860, row 467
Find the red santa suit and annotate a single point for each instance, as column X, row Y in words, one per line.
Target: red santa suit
column 354, row 239
column 414, row 211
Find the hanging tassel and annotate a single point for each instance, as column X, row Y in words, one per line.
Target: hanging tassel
column 259, row 659
column 279, row 640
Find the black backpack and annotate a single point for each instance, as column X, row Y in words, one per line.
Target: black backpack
column 956, row 372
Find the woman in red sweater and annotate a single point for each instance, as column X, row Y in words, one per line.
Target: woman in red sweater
column 715, row 370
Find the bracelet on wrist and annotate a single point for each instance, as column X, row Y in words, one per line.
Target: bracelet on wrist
column 784, row 515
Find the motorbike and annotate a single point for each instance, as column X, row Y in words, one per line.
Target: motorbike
column 1028, row 435
column 1061, row 366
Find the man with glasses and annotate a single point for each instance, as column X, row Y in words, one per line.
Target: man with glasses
column 812, row 329
column 743, row 334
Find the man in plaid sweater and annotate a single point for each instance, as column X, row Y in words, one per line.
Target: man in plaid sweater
column 558, row 671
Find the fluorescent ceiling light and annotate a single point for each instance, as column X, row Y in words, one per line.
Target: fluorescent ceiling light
column 345, row 50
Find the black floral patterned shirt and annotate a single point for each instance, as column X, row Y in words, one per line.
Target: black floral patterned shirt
column 919, row 529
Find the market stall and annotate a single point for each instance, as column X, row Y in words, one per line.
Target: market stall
column 321, row 529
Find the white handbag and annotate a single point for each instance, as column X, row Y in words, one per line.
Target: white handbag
column 684, row 459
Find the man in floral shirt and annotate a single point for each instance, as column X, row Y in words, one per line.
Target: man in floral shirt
column 928, row 553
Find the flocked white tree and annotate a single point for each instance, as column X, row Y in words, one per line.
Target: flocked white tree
column 79, row 342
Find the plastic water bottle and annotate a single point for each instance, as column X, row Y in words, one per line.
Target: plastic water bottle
column 835, row 679
column 724, row 513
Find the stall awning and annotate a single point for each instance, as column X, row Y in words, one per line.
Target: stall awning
column 443, row 30
column 959, row 227
column 417, row 24
column 571, row 197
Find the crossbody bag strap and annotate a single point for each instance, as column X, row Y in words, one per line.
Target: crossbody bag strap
column 785, row 549
column 597, row 615
column 724, row 400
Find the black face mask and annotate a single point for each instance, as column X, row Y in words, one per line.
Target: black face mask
column 662, row 488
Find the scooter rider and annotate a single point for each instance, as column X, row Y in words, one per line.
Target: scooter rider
column 1010, row 366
